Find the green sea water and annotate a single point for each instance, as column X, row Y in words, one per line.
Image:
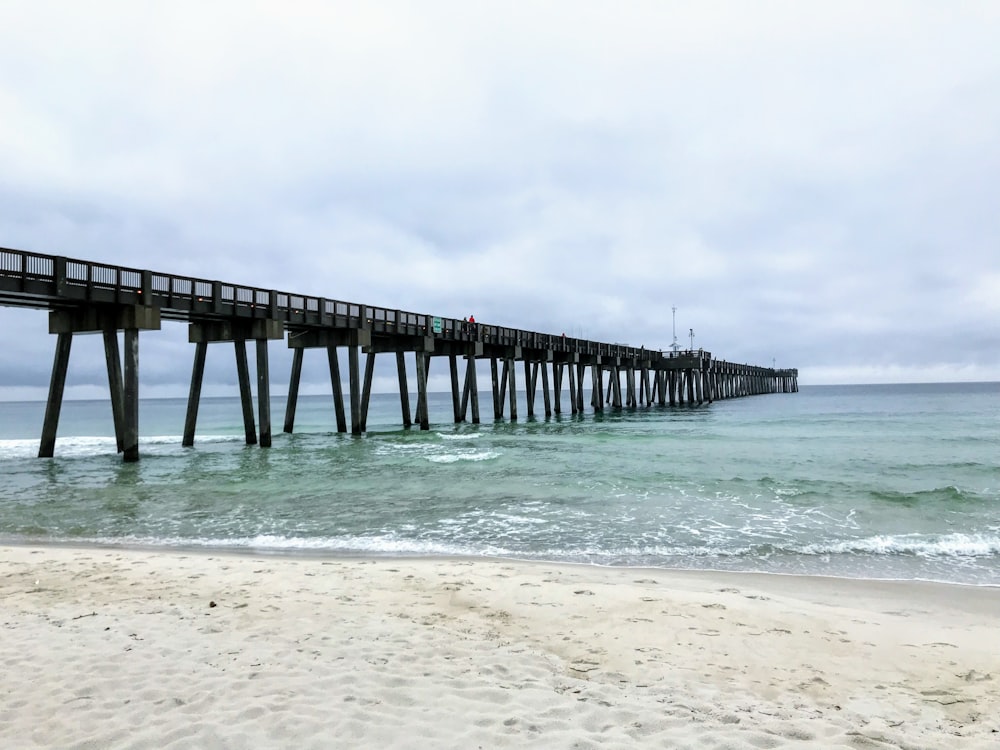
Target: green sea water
column 861, row 481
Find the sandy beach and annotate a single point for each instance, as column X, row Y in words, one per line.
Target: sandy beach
column 120, row 648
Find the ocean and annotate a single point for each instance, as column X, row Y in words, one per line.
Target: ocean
column 880, row 481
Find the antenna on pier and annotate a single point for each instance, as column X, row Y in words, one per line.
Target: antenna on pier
column 675, row 345
column 691, row 334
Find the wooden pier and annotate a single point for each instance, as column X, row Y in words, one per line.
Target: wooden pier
column 86, row 297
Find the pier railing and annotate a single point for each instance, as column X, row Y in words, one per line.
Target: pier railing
column 49, row 281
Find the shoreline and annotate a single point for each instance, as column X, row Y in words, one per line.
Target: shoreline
column 307, row 553
column 123, row 647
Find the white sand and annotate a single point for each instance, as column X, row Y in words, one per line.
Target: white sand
column 119, row 648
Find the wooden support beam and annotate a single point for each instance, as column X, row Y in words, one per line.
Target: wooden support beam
column 57, row 384
column 572, row 370
column 497, row 398
column 513, row 390
column 463, row 408
column 455, row 396
column 417, row 415
column 573, row 395
column 503, row 386
column 530, row 371
column 130, row 402
column 194, row 393
column 597, row 374
column 293, row 389
column 263, row 394
column 366, row 391
column 474, row 388
column 557, row 377
column 246, row 398
column 404, row 392
column 545, row 389
column 338, row 389
column 113, row 360
column 423, row 360
column 354, row 364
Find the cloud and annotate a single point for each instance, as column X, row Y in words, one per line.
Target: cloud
column 812, row 183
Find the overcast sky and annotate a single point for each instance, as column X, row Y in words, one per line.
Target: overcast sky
column 811, row 183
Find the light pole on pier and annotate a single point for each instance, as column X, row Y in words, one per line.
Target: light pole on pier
column 675, row 346
column 691, row 334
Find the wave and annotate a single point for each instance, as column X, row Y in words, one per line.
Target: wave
column 86, row 446
column 65, row 447
column 948, row 494
column 450, row 458
column 948, row 545
column 277, row 544
column 954, row 546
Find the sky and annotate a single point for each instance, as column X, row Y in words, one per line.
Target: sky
column 810, row 184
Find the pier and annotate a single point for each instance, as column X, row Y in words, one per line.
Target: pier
column 84, row 297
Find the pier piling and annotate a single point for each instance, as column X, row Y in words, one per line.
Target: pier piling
column 112, row 358
column 497, row 403
column 366, row 392
column 354, row 364
column 246, row 397
column 456, row 398
column 194, row 393
column 57, row 384
column 338, row 390
column 546, row 399
column 130, row 450
column 404, row 391
column 293, row 389
column 263, row 394
column 423, row 361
